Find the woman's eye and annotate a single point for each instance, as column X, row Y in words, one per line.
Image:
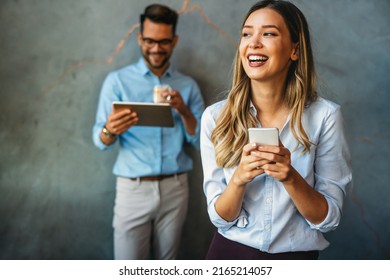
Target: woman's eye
column 267, row 34
column 244, row 34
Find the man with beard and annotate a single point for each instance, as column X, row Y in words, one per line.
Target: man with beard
column 151, row 167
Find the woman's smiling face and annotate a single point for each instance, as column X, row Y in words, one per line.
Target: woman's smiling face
column 266, row 49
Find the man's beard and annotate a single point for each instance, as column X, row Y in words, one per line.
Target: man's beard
column 154, row 65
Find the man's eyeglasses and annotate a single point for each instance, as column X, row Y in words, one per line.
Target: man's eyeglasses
column 149, row 42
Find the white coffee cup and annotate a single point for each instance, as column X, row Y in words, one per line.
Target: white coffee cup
column 157, row 93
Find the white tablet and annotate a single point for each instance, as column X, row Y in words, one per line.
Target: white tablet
column 149, row 114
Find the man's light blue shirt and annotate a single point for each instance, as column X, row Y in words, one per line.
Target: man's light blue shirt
column 146, row 150
column 269, row 221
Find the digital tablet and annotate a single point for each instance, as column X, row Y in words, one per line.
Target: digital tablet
column 149, row 114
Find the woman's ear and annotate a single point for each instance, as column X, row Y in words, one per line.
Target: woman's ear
column 295, row 53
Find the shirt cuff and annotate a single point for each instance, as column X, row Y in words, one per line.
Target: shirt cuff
column 241, row 221
column 98, row 142
column 331, row 220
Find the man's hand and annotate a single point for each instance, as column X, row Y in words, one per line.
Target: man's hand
column 173, row 98
column 118, row 122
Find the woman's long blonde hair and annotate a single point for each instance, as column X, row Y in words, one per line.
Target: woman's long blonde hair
column 230, row 134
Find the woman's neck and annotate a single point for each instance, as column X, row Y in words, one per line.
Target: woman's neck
column 269, row 101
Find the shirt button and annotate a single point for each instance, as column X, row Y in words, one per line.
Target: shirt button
column 267, row 227
column 268, row 200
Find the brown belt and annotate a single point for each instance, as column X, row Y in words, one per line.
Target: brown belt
column 155, row 178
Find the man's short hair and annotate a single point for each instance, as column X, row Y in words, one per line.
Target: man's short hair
column 158, row 13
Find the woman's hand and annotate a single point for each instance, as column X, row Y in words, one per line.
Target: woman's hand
column 278, row 161
column 229, row 204
column 250, row 165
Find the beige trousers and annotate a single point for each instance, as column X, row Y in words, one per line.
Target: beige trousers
column 148, row 217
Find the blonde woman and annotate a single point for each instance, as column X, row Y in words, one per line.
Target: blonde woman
column 274, row 202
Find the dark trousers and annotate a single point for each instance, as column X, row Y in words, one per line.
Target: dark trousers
column 222, row 248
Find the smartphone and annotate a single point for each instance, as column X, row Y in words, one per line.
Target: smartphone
column 264, row 136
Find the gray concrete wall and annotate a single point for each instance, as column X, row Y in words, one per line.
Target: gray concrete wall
column 57, row 189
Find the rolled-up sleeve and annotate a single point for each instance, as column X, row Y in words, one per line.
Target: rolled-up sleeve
column 332, row 169
column 214, row 179
column 108, row 94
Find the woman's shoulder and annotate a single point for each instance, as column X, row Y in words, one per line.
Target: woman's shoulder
column 211, row 113
column 215, row 108
column 323, row 105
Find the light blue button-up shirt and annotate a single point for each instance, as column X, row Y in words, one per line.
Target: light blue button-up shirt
column 147, row 150
column 269, row 221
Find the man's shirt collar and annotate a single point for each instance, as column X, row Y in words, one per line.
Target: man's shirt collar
column 144, row 69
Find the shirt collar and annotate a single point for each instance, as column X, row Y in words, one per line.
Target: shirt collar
column 144, row 69
column 252, row 108
column 253, row 111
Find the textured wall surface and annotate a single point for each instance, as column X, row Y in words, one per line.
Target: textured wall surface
column 57, row 189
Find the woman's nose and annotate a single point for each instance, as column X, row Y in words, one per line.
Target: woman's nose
column 255, row 42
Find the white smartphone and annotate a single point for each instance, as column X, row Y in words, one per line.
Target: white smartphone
column 264, row 136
